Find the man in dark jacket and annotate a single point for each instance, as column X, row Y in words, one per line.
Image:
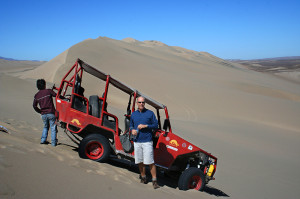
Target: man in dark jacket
column 43, row 98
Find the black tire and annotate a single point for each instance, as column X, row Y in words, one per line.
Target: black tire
column 94, row 106
column 191, row 178
column 95, row 147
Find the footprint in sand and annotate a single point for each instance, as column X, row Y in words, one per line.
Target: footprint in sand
column 4, row 164
column 97, row 171
column 41, row 150
column 122, row 178
column 60, row 158
column 100, row 169
column 55, row 154
column 16, row 149
column 101, row 172
column 35, row 129
column 6, row 191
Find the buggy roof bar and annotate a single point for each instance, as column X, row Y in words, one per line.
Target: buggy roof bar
column 127, row 89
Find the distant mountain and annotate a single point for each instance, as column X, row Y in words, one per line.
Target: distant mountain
column 266, row 59
column 272, row 65
column 282, row 58
column 11, row 59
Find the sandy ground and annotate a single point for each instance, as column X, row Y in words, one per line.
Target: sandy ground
column 249, row 120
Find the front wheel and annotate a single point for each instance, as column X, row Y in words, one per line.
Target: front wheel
column 191, row 178
column 95, row 147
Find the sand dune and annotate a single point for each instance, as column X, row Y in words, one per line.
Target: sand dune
column 14, row 67
column 48, row 69
column 248, row 119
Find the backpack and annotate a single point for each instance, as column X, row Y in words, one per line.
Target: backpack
column 125, row 141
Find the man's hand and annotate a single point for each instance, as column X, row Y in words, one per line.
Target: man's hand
column 134, row 132
column 53, row 87
column 142, row 126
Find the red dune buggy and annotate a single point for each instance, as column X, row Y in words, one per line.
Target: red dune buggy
column 99, row 135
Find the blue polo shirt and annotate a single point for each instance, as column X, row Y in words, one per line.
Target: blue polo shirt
column 144, row 117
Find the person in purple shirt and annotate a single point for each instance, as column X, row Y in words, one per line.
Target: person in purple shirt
column 43, row 98
column 142, row 122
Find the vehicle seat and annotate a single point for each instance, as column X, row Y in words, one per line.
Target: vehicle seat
column 127, row 122
column 109, row 123
column 95, row 107
column 78, row 102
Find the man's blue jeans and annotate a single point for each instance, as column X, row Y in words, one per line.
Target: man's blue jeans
column 49, row 121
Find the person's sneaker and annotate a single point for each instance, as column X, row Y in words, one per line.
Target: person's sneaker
column 155, row 184
column 46, row 142
column 144, row 180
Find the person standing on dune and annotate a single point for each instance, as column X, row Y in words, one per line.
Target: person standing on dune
column 142, row 122
column 43, row 98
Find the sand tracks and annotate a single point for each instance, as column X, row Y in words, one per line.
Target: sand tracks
column 24, row 140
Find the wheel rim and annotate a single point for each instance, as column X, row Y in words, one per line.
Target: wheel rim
column 94, row 150
column 195, row 183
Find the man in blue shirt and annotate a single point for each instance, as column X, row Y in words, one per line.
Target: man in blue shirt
column 142, row 122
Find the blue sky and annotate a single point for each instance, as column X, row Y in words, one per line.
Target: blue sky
column 229, row 29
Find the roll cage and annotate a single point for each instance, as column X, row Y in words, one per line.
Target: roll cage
column 75, row 82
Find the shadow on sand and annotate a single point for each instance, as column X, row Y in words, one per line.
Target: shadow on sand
column 164, row 180
column 213, row 191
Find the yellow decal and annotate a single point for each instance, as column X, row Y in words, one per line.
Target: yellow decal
column 174, row 143
column 76, row 121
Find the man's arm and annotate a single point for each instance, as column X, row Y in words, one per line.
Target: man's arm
column 131, row 126
column 154, row 124
column 53, row 94
column 35, row 106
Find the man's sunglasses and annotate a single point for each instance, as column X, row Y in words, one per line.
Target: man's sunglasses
column 141, row 102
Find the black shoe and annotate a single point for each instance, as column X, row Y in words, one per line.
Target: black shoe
column 144, row 180
column 155, row 185
column 46, row 142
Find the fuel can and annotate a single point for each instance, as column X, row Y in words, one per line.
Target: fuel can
column 210, row 170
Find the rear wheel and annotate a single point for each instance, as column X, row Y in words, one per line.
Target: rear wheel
column 95, row 147
column 192, row 178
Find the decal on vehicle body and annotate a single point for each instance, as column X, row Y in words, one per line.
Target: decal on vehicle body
column 172, row 148
column 76, row 121
column 174, row 143
column 184, row 145
column 190, row 147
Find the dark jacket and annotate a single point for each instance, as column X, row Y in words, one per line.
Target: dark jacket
column 44, row 99
column 144, row 117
